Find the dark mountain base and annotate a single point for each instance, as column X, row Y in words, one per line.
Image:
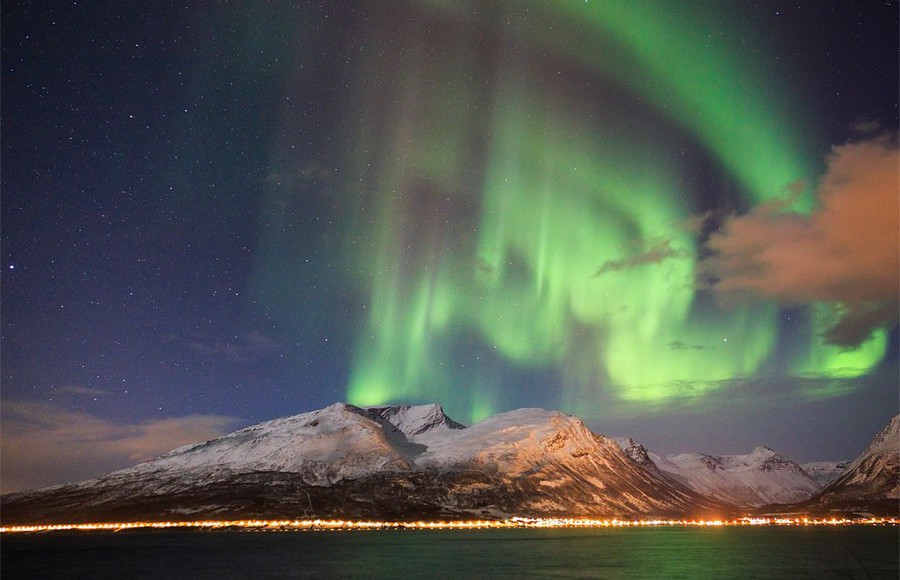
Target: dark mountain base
column 385, row 497
column 827, row 507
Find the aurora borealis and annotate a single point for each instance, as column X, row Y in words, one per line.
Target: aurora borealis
column 567, row 247
column 668, row 218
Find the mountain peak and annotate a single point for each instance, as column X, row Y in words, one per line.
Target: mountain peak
column 413, row 420
column 889, row 436
column 637, row 452
column 763, row 451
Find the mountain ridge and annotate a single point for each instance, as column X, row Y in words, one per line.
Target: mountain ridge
column 415, row 462
column 751, row 480
column 382, row 462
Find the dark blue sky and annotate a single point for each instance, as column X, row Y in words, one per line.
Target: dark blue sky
column 187, row 232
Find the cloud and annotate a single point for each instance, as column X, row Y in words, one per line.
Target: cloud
column 241, row 349
column 697, row 223
column 45, row 444
column 847, row 252
column 79, row 390
column 659, row 252
column 680, row 345
column 865, row 127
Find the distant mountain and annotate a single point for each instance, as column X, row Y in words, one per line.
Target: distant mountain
column 377, row 462
column 871, row 483
column 824, row 472
column 759, row 478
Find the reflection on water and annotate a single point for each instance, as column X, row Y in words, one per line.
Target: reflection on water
column 731, row 552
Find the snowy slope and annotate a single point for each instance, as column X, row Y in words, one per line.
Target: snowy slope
column 518, row 440
column 871, row 483
column 824, row 472
column 878, row 463
column 556, row 462
column 755, row 479
column 323, row 446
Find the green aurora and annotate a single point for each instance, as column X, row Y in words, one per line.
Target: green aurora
column 526, row 203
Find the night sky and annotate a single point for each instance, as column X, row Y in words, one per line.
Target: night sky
column 675, row 220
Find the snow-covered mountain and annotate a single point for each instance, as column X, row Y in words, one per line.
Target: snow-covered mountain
column 824, row 472
column 638, row 453
column 758, row 478
column 384, row 462
column 871, row 483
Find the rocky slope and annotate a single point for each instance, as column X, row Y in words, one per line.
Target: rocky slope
column 870, row 484
column 380, row 462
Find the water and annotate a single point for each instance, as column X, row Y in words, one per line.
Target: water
column 731, row 552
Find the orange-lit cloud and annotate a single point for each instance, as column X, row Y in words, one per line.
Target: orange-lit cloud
column 847, row 252
column 659, row 252
column 45, row 444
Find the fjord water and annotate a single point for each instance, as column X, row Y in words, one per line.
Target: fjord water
column 730, row 552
